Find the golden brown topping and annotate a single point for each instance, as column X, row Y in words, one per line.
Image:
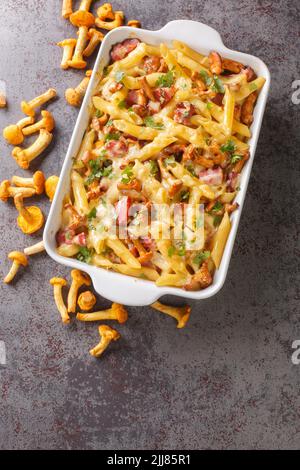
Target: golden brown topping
column 232, row 65
column 79, row 279
column 181, row 314
column 107, row 335
column 215, row 63
column 18, row 258
column 50, row 186
column 86, row 300
column 200, row 279
column 37, row 182
column 30, row 106
column 247, row 108
column 240, row 164
column 30, row 219
column 147, row 89
column 58, row 283
column 116, row 312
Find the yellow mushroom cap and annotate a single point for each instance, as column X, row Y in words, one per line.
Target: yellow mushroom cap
column 18, row 256
column 58, row 281
column 107, row 332
column 35, row 224
column 86, row 300
column 120, row 311
column 50, row 186
column 80, row 277
column 49, row 122
column 82, row 18
column 67, row 42
column 39, row 181
column 13, row 134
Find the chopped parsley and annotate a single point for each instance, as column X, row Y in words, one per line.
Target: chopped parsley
column 109, row 123
column 85, row 254
column 181, row 250
column 218, row 86
column 184, row 195
column 166, row 80
column 153, row 167
column 99, row 113
column 169, row 161
column 119, row 75
column 98, row 170
column 191, row 169
column 122, row 104
column 149, row 122
column 228, row 147
column 235, row 158
column 217, row 220
column 209, row 105
column 127, row 174
column 92, row 213
column 200, row 257
column 171, row 251
column 112, row 136
column 105, row 71
column 217, row 207
column 206, row 78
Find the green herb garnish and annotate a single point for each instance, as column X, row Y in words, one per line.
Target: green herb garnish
column 206, row 78
column 149, row 122
column 217, row 207
column 218, row 86
column 228, row 147
column 191, row 169
column 85, row 254
column 169, row 161
column 92, row 213
column 127, row 174
column 171, row 251
column 209, row 105
column 112, row 136
column 252, row 86
column 181, row 250
column 98, row 113
column 166, row 80
column 122, row 104
column 217, row 220
column 200, row 257
column 153, row 167
column 184, row 196
column 235, row 158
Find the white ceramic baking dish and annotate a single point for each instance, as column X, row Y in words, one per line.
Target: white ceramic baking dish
column 118, row 287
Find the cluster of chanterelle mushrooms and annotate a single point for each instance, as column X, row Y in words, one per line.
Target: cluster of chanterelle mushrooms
column 30, row 218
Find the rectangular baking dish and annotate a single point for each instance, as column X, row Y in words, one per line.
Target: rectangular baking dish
column 118, row 287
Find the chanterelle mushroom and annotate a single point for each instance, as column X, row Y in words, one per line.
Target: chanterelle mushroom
column 68, row 46
column 82, row 17
column 37, row 182
column 134, row 23
column 6, row 191
column 58, row 283
column 105, row 12
column 30, row 106
column 24, row 156
column 74, row 96
column 67, row 9
column 50, row 186
column 34, row 249
column 95, row 38
column 181, row 314
column 18, row 258
column 86, row 300
column 3, row 102
column 77, row 61
column 107, row 335
column 109, row 25
column 13, row 134
column 78, row 279
column 30, row 219
column 47, row 122
column 116, row 312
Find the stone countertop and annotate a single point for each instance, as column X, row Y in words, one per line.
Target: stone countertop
column 226, row 380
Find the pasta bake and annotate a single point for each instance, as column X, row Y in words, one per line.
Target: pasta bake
column 167, row 135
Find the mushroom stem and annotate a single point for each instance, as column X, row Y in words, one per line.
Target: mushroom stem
column 37, row 182
column 34, row 249
column 6, row 191
column 19, row 203
column 12, row 272
column 81, row 41
column 116, row 312
column 78, row 279
column 67, row 9
column 74, row 96
column 47, row 122
column 58, row 283
column 68, row 46
column 30, row 106
column 95, row 38
column 107, row 335
column 181, row 314
column 85, row 5
column 24, row 157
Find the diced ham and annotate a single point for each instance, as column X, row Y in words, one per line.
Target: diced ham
column 218, row 99
column 139, row 110
column 122, row 49
column 164, row 94
column 122, row 209
column 151, row 64
column 153, row 107
column 136, row 97
column 148, row 243
column 116, row 148
column 183, row 112
column 80, row 239
column 211, row 176
column 233, row 180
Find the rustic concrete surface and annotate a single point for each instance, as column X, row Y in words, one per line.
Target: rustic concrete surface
column 227, row 380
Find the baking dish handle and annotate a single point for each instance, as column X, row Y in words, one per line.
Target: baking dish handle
column 192, row 29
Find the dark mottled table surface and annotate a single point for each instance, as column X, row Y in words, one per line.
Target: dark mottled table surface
column 225, row 381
